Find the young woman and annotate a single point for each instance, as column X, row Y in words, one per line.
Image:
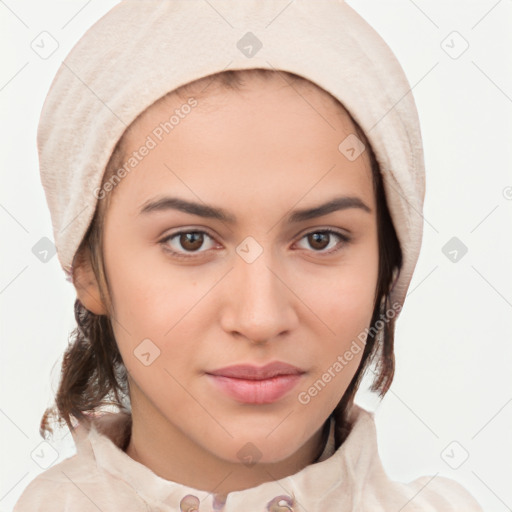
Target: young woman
column 237, row 208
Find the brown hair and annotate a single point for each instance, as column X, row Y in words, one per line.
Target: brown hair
column 93, row 374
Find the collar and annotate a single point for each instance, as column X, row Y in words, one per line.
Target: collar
column 337, row 475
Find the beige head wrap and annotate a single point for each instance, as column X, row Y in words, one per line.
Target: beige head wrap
column 142, row 49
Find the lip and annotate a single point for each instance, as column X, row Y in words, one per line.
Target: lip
column 256, row 385
column 251, row 372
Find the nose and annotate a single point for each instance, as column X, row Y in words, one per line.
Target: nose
column 259, row 303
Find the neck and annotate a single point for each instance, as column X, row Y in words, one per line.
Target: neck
column 171, row 454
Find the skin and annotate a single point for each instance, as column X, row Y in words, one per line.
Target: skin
column 259, row 154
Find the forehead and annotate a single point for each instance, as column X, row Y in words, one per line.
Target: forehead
column 267, row 136
column 298, row 98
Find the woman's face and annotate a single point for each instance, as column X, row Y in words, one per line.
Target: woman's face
column 195, row 291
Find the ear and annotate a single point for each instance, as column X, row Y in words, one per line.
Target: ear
column 86, row 284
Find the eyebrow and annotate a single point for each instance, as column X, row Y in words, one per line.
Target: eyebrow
column 211, row 212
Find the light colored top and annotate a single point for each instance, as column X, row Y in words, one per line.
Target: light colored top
column 102, row 477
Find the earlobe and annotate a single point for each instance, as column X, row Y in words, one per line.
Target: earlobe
column 86, row 285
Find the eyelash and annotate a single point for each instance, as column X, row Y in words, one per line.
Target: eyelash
column 344, row 240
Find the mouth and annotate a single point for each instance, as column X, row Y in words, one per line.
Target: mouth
column 256, row 385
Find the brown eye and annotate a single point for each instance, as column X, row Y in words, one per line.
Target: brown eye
column 191, row 241
column 185, row 243
column 320, row 240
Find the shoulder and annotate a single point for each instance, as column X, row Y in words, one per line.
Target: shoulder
column 60, row 488
column 69, row 487
column 437, row 493
column 77, row 484
column 432, row 493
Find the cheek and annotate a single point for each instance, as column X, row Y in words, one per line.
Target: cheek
column 347, row 297
column 142, row 297
column 345, row 304
column 166, row 309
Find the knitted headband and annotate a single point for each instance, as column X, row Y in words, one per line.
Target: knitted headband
column 141, row 50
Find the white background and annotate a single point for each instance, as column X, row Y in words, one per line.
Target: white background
column 453, row 341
